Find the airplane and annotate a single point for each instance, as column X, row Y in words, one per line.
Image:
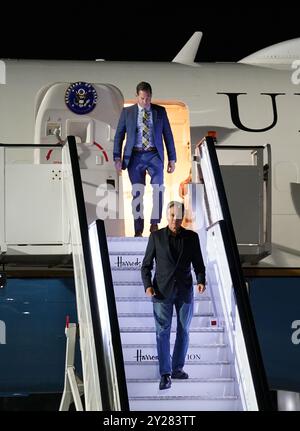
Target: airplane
column 251, row 103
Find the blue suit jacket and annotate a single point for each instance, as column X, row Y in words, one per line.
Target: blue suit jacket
column 128, row 125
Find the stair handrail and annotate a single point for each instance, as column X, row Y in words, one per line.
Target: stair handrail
column 222, row 217
column 108, row 386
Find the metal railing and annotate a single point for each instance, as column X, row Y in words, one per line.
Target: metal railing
column 102, row 361
column 224, row 274
column 246, row 173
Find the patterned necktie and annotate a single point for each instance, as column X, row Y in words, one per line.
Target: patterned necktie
column 146, row 129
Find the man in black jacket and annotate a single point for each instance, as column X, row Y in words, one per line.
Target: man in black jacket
column 174, row 249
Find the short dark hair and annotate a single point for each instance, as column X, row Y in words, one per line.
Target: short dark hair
column 143, row 86
column 177, row 205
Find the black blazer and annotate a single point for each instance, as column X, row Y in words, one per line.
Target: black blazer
column 167, row 271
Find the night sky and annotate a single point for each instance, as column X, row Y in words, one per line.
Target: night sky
column 140, row 34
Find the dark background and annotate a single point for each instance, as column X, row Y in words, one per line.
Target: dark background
column 155, row 32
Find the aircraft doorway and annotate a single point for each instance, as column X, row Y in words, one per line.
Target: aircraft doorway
column 178, row 115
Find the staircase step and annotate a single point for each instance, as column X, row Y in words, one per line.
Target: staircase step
column 195, row 369
column 136, row 289
column 191, row 403
column 131, row 274
column 148, row 352
column 142, row 320
column 147, row 335
column 129, row 262
column 126, row 274
column 196, row 386
column 123, row 244
column 202, row 304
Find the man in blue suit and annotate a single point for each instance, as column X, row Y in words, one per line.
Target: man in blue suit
column 144, row 124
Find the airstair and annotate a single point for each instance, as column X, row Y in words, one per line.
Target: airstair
column 211, row 384
column 223, row 361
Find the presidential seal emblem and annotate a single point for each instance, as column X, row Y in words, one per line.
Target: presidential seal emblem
column 81, row 97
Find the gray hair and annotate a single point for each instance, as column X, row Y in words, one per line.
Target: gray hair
column 178, row 205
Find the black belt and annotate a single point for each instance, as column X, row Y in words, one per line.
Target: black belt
column 142, row 150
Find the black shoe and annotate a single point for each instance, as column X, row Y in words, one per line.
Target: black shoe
column 165, row 381
column 138, row 234
column 179, row 374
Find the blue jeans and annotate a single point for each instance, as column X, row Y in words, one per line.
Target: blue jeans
column 163, row 311
column 139, row 164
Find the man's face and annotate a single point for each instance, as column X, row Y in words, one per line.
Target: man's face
column 144, row 99
column 174, row 217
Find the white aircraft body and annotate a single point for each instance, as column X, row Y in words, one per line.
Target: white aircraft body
column 250, row 103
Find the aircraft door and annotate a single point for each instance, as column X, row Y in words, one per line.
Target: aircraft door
column 90, row 112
